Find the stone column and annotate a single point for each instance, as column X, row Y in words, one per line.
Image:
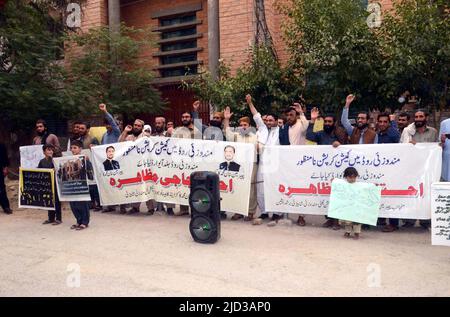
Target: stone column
column 114, row 15
column 213, row 37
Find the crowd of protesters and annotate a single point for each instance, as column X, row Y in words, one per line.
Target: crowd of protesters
column 289, row 128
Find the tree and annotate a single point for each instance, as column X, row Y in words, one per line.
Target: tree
column 334, row 51
column 272, row 86
column 416, row 41
column 108, row 67
column 36, row 81
column 30, row 45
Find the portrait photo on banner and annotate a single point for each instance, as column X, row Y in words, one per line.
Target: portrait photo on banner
column 72, row 178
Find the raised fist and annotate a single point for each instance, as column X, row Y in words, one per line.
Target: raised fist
column 102, row 107
column 196, row 105
column 349, row 100
column 298, row 107
column 248, row 98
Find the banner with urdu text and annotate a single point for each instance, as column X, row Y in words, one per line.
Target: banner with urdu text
column 159, row 168
column 297, row 179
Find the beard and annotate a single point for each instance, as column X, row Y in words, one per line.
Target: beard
column 40, row 133
column 420, row 124
column 136, row 132
column 215, row 123
column 186, row 123
column 159, row 129
column 362, row 126
column 328, row 128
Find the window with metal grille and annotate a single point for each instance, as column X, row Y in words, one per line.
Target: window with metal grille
column 179, row 33
column 179, row 71
column 178, row 45
column 177, row 20
column 178, row 59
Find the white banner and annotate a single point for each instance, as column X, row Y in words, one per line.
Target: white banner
column 159, row 168
column 30, row 156
column 297, row 178
column 440, row 214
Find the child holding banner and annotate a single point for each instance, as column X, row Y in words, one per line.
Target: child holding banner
column 54, row 216
column 350, row 174
column 80, row 209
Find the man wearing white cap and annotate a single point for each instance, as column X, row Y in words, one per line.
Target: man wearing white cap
column 147, row 130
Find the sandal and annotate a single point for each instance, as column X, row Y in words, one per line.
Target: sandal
column 237, row 217
column 74, row 226
column 347, row 235
column 57, row 222
column 81, row 227
column 249, row 217
column 46, row 222
column 301, row 221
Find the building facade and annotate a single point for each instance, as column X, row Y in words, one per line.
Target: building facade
column 192, row 35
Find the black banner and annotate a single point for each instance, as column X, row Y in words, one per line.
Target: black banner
column 37, row 189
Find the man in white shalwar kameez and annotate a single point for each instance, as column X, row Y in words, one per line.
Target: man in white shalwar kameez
column 444, row 131
column 267, row 135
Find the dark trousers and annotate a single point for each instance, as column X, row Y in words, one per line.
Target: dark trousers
column 55, row 214
column 392, row 221
column 80, row 210
column 3, row 198
column 95, row 196
column 421, row 222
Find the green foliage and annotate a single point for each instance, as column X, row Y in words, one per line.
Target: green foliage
column 335, row 52
column 109, row 69
column 29, row 75
column 272, row 86
column 417, row 46
column 36, row 82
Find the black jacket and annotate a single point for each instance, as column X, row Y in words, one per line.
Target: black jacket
column 111, row 165
column 284, row 135
column 4, row 161
column 232, row 167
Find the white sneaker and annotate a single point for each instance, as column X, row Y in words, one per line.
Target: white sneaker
column 272, row 223
column 285, row 222
column 257, row 221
